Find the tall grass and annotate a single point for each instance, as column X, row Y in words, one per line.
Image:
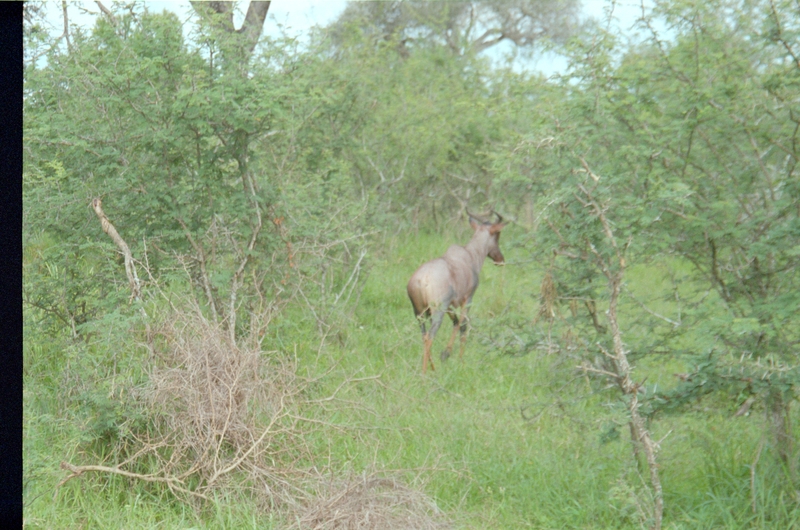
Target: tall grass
column 508, row 437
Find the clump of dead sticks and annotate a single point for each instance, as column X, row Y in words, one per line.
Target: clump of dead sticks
column 219, row 414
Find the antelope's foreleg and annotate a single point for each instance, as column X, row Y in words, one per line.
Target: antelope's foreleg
column 446, row 352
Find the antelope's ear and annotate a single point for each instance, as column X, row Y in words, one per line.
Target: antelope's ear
column 495, row 228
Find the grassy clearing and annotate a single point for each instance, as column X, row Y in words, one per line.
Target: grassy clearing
column 498, row 440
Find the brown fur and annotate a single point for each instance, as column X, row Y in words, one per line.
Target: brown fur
column 444, row 284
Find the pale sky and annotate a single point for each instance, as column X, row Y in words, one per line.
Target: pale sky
column 296, row 17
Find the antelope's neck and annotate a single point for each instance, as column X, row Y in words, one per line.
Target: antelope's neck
column 478, row 248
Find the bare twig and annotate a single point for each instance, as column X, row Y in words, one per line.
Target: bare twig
column 354, row 274
column 675, row 324
column 586, row 367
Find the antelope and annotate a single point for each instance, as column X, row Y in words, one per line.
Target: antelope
column 444, row 284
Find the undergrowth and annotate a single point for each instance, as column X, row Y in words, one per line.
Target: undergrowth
column 332, row 425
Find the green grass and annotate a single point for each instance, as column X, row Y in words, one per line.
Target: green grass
column 499, row 441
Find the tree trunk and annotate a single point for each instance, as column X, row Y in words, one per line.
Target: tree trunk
column 220, row 16
column 778, row 413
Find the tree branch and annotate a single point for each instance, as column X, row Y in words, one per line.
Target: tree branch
column 780, row 37
column 130, row 269
column 622, row 369
column 221, row 15
column 66, row 24
column 107, row 12
column 248, row 181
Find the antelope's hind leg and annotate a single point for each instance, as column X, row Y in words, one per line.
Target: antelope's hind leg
column 427, row 340
column 446, row 352
column 426, row 355
column 436, row 321
column 463, row 325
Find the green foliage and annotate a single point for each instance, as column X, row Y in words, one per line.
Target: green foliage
column 424, row 125
column 694, row 155
column 302, row 186
column 196, row 164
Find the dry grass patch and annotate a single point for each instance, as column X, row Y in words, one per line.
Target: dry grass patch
column 370, row 502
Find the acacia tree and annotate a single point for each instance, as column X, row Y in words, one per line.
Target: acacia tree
column 420, row 128
column 734, row 154
column 712, row 145
column 463, row 27
column 695, row 140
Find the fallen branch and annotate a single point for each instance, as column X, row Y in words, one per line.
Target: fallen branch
column 77, row 471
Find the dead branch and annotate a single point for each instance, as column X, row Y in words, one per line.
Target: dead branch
column 219, row 416
column 353, row 275
column 130, row 268
column 172, row 482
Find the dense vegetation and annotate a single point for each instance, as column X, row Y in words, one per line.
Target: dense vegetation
column 218, row 228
